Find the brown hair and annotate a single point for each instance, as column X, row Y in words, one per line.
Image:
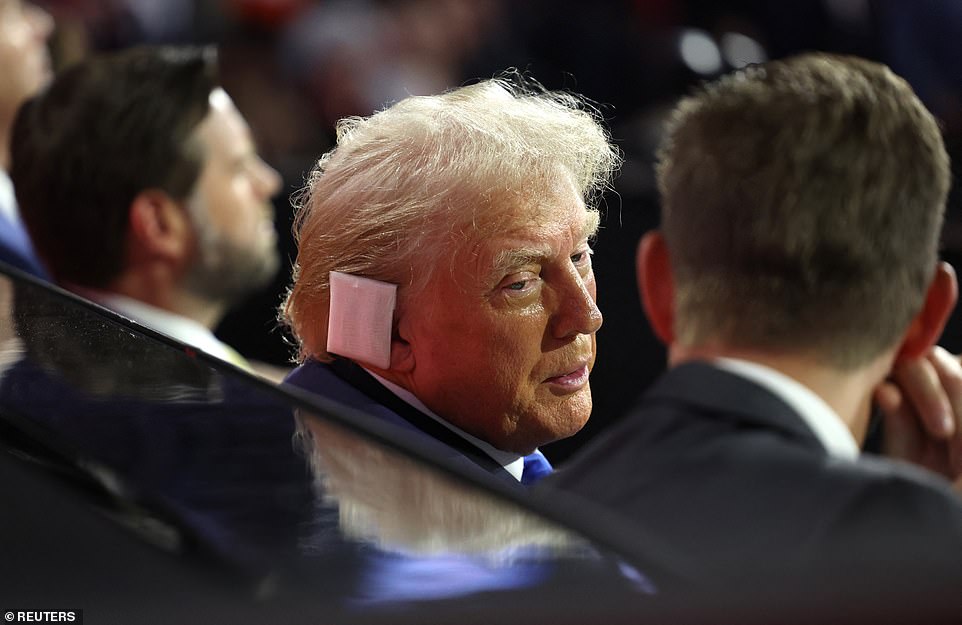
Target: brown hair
column 802, row 204
column 106, row 130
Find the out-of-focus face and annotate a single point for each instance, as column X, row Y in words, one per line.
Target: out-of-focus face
column 231, row 208
column 504, row 347
column 24, row 60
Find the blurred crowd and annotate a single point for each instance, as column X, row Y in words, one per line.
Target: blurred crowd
column 294, row 67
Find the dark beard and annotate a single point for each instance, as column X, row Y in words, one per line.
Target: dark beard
column 225, row 272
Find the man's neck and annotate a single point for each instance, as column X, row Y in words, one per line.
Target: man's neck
column 5, row 131
column 847, row 392
column 160, row 292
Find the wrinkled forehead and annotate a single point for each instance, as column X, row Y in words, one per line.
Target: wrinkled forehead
column 554, row 204
column 494, row 228
column 544, row 224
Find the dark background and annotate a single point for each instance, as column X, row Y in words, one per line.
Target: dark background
column 295, row 66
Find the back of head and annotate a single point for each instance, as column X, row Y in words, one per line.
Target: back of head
column 408, row 185
column 106, row 130
column 802, row 204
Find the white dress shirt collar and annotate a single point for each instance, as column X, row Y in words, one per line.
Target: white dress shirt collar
column 173, row 325
column 512, row 463
column 8, row 201
column 824, row 422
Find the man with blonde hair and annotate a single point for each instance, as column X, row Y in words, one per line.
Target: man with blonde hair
column 796, row 265
column 443, row 280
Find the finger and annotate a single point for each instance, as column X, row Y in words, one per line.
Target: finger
column 957, row 487
column 903, row 436
column 888, row 398
column 901, row 432
column 922, row 390
column 949, row 370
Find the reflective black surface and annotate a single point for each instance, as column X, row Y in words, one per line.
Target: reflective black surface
column 149, row 481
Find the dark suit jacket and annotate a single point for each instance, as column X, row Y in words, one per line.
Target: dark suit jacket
column 348, row 384
column 730, row 476
column 221, row 458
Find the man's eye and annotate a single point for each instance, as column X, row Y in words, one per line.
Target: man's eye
column 582, row 257
column 520, row 284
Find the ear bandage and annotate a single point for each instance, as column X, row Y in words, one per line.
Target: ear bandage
column 359, row 324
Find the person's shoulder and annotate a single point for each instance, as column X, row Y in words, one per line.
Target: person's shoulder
column 310, row 375
column 893, row 526
column 329, row 382
column 320, row 378
column 666, row 429
column 894, row 489
column 654, row 444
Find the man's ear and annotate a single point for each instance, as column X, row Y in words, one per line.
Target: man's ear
column 158, row 227
column 927, row 325
column 402, row 353
column 656, row 285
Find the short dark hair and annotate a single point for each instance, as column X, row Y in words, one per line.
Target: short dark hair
column 802, row 202
column 106, row 130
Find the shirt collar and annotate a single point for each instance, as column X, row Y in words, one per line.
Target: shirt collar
column 824, row 422
column 8, row 201
column 173, row 325
column 512, row 463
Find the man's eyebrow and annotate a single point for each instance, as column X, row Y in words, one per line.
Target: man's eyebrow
column 519, row 257
column 592, row 222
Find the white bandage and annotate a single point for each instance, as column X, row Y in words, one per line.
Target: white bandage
column 359, row 325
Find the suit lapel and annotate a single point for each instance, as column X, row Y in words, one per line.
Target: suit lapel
column 360, row 379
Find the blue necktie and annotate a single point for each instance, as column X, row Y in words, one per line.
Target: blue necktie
column 536, row 466
column 16, row 249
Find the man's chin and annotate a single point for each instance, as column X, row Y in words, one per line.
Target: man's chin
column 579, row 406
column 267, row 271
column 560, row 429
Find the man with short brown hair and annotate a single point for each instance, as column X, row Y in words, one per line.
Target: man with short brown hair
column 796, row 265
column 141, row 187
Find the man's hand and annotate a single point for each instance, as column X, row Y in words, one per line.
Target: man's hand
column 922, row 408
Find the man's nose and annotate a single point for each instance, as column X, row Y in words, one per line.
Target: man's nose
column 266, row 179
column 577, row 312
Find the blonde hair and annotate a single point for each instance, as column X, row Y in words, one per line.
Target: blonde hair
column 407, row 185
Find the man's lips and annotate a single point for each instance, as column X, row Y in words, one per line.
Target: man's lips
column 574, row 379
